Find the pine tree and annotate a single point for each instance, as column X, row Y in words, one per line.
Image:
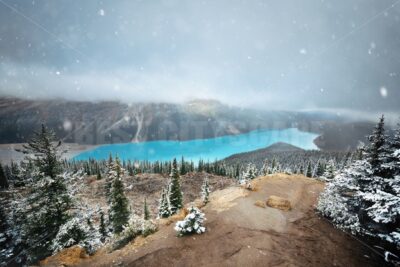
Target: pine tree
column 376, row 153
column 394, row 151
column 119, row 210
column 46, row 207
column 364, row 197
column 175, row 192
column 3, row 178
column 193, row 223
column 329, row 173
column 17, row 175
column 163, row 208
column 205, row 190
column 146, row 212
column 46, row 152
column 102, row 227
column 265, row 168
column 250, row 173
column 183, row 167
column 114, row 171
column 309, row 170
column 320, row 169
column 98, row 176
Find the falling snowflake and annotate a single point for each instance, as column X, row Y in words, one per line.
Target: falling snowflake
column 303, row 51
column 101, row 12
column 383, row 92
column 67, row 125
column 372, row 47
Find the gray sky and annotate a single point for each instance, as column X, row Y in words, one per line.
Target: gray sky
column 332, row 54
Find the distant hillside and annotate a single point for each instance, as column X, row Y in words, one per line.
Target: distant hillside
column 114, row 122
column 288, row 157
column 264, row 152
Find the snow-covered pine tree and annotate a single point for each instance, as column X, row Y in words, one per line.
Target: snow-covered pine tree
column 309, row 170
column 102, row 226
column 175, row 192
column 394, row 150
column 320, row 169
column 193, row 223
column 251, row 172
column 3, row 179
column 17, row 175
column 119, row 209
column 8, row 238
column 265, row 168
column 364, row 197
column 329, row 173
column 146, row 212
column 46, row 207
column 205, row 190
column 377, row 152
column 114, row 170
column 163, row 208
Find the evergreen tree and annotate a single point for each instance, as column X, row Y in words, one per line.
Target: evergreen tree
column 46, row 207
column 102, row 227
column 320, row 169
column 376, row 152
column 119, row 210
column 46, row 152
column 205, row 190
column 250, row 173
column 98, row 176
column 394, row 151
column 329, row 173
column 265, row 168
column 175, row 192
column 364, row 197
column 114, row 171
column 309, row 170
column 146, row 212
column 163, row 208
column 17, row 176
column 3, row 178
column 193, row 223
column 183, row 167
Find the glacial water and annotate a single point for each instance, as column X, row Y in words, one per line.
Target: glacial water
column 206, row 149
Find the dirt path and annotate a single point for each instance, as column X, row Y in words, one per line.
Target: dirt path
column 242, row 234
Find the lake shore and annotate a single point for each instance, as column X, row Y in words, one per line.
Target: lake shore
column 8, row 151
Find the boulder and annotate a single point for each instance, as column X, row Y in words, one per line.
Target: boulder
column 279, row 203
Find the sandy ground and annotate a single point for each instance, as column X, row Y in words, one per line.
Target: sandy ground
column 240, row 233
column 8, row 153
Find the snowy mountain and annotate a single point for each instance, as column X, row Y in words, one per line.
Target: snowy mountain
column 115, row 122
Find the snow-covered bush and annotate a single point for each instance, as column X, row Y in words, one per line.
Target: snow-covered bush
column 71, row 233
column 193, row 223
column 250, row 173
column 333, row 203
column 205, row 190
column 78, row 231
column 136, row 226
column 329, row 172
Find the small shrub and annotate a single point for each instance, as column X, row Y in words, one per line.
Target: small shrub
column 136, row 226
column 193, row 223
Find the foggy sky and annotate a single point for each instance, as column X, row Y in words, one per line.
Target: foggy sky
column 267, row 54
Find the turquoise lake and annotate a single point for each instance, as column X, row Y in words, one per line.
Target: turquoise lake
column 206, row 149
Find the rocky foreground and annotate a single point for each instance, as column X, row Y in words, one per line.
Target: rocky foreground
column 243, row 231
